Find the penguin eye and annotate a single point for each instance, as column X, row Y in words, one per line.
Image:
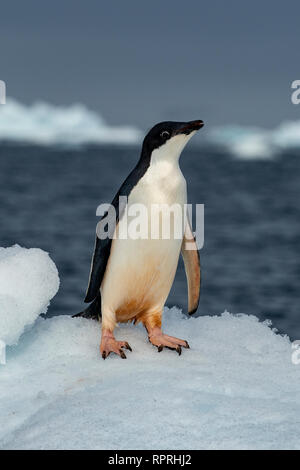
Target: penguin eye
column 165, row 134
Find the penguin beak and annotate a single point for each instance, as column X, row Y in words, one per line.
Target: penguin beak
column 188, row 127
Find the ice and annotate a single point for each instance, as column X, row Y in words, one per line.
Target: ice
column 46, row 124
column 235, row 388
column 28, row 281
column 257, row 143
column 243, row 142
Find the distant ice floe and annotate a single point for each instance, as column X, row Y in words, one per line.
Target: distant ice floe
column 257, row 143
column 28, row 281
column 46, row 124
column 235, row 388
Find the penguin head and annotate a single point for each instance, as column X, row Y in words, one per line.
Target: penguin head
column 167, row 139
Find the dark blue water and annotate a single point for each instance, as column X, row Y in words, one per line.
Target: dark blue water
column 250, row 259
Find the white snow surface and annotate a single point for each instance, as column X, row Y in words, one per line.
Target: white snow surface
column 235, row 388
column 46, row 124
column 28, row 281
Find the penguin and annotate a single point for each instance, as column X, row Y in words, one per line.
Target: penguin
column 131, row 277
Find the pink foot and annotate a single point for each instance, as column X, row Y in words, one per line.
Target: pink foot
column 110, row 344
column 160, row 340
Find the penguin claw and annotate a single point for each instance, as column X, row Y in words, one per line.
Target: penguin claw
column 161, row 341
column 105, row 355
column 122, row 354
column 110, row 345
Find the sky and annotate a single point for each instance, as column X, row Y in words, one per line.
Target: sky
column 139, row 62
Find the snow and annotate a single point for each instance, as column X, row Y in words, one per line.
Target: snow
column 235, row 388
column 28, row 281
column 46, row 124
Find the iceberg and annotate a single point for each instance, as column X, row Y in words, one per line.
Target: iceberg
column 236, row 388
column 45, row 124
column 257, row 143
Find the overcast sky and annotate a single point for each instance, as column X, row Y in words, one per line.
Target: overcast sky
column 139, row 62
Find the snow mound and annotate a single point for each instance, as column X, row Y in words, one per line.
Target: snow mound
column 46, row 124
column 28, row 281
column 235, row 388
column 255, row 143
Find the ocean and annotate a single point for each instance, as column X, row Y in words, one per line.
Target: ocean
column 250, row 258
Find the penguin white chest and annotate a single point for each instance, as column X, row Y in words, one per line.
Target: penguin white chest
column 163, row 183
column 141, row 267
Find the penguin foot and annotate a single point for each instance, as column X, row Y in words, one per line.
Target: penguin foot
column 110, row 344
column 160, row 340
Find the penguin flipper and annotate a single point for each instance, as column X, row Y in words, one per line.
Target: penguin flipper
column 99, row 262
column 104, row 234
column 191, row 261
column 93, row 311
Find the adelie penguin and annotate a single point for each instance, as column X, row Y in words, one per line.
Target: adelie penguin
column 131, row 277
